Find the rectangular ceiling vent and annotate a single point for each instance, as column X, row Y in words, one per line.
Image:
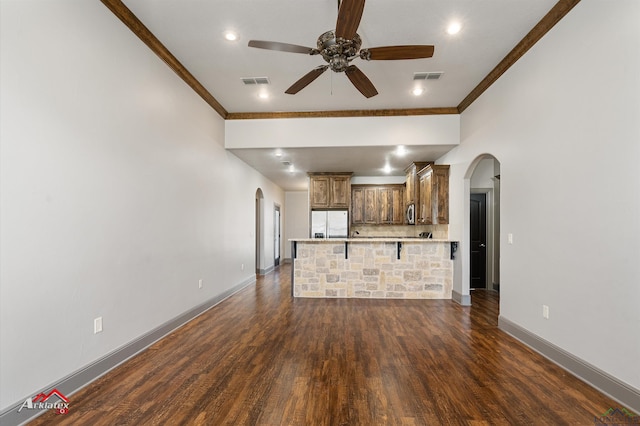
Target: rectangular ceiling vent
column 255, row 80
column 427, row 75
column 286, row 163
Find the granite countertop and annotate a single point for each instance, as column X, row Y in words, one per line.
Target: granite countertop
column 370, row 240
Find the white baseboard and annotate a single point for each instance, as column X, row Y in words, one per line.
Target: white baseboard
column 462, row 299
column 625, row 394
column 75, row 381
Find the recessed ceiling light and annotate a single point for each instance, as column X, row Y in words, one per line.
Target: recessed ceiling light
column 292, row 169
column 278, row 153
column 454, row 28
column 263, row 95
column 387, row 168
column 417, row 91
column 230, row 36
column 401, row 151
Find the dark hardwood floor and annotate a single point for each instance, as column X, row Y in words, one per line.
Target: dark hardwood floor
column 264, row 358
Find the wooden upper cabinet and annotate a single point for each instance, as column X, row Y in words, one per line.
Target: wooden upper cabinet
column 433, row 207
column 411, row 190
column 441, row 189
column 384, row 205
column 398, row 205
column 319, row 192
column 329, row 190
column 424, row 212
column 357, row 205
column 340, row 191
column 363, row 205
column 372, row 205
column 391, row 204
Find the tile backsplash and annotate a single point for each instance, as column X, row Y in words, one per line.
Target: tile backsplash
column 440, row 232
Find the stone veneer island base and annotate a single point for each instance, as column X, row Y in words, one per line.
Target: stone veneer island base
column 375, row 268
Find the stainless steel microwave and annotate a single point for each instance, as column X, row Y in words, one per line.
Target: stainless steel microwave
column 411, row 214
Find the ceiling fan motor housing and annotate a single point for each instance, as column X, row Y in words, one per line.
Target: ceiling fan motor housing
column 338, row 52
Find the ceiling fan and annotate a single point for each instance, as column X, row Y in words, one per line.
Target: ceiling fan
column 342, row 46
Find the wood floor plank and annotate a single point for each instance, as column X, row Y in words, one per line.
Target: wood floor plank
column 262, row 357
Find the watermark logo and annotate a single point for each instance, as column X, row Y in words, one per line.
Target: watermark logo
column 54, row 400
column 617, row 416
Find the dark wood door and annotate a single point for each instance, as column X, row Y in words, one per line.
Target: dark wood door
column 478, row 220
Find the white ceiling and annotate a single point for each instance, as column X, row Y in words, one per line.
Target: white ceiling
column 193, row 31
column 363, row 161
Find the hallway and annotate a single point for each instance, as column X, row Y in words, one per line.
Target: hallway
column 263, row 358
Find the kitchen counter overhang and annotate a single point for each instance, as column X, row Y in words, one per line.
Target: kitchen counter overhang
column 379, row 267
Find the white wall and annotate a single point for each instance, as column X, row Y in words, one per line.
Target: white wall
column 116, row 193
column 568, row 141
column 483, row 174
column 297, row 219
column 359, row 131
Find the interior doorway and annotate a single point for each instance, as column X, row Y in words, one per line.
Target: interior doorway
column 484, row 224
column 276, row 234
column 478, row 227
column 259, row 214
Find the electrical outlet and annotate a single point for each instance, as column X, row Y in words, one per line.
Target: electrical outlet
column 545, row 312
column 242, row 267
column 200, row 283
column 97, row 325
column 510, row 238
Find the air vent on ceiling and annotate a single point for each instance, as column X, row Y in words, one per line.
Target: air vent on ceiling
column 255, row 80
column 427, row 75
column 286, row 163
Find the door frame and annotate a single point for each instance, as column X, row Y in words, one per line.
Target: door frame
column 490, row 250
column 259, row 231
column 461, row 293
column 277, row 234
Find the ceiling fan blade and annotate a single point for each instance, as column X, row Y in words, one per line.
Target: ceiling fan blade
column 349, row 16
column 282, row 47
column 306, row 80
column 397, row 52
column 362, row 83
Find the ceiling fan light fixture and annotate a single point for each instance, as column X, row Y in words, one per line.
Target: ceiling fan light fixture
column 341, row 46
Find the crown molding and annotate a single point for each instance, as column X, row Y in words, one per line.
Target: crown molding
column 341, row 113
column 557, row 12
column 138, row 28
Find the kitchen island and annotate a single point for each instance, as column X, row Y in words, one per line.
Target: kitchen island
column 375, row 268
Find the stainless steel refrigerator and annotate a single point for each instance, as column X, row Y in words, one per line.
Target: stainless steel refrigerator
column 329, row 224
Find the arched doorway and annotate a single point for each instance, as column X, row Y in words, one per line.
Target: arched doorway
column 482, row 225
column 277, row 222
column 259, row 215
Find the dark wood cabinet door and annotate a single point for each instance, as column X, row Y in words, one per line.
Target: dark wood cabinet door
column 410, row 185
column 340, row 188
column 384, row 205
column 357, row 206
column 319, row 192
column 441, row 176
column 397, row 206
column 377, row 205
column 370, row 206
column 425, row 214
